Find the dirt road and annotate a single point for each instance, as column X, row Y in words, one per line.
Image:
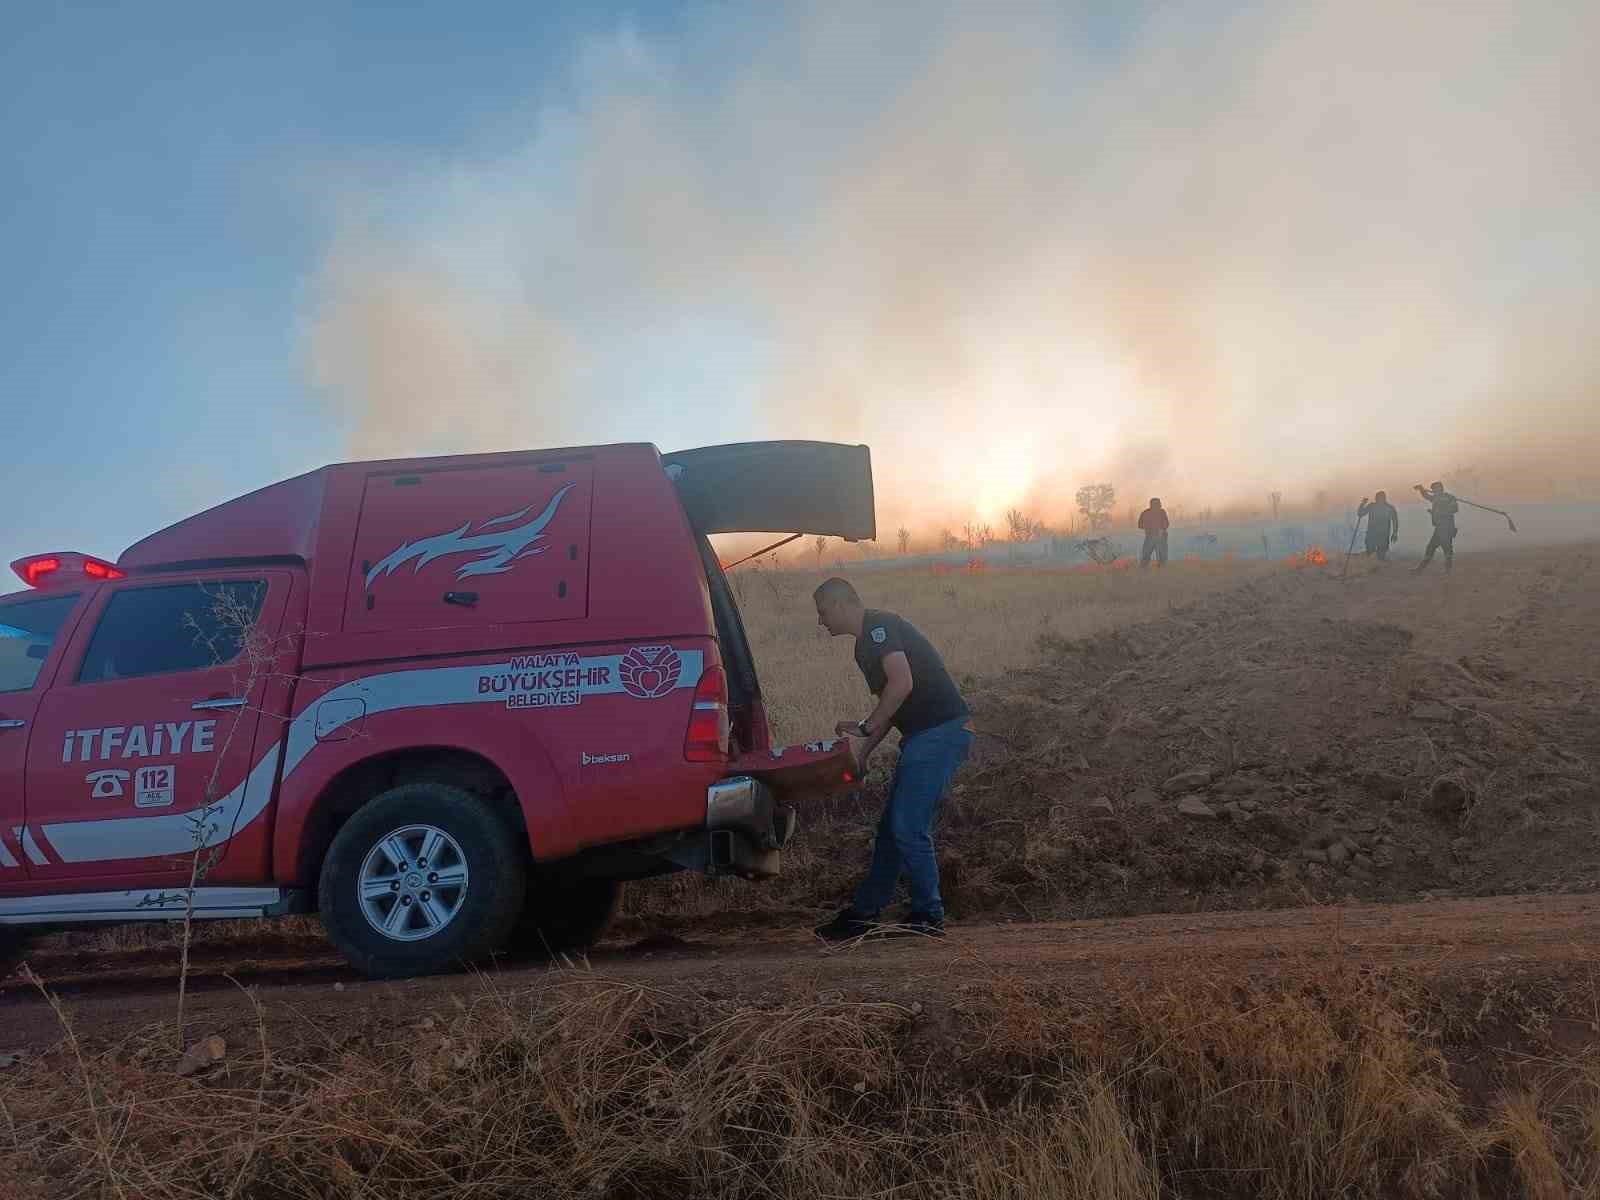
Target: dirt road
column 109, row 996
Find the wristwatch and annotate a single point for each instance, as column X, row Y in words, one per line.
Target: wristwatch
column 861, row 728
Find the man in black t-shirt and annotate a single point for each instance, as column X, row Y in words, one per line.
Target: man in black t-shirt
column 916, row 696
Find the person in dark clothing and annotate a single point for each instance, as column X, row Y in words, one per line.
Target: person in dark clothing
column 1383, row 524
column 1154, row 522
column 1442, row 509
column 916, row 696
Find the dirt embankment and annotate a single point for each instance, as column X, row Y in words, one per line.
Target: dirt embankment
column 1301, row 739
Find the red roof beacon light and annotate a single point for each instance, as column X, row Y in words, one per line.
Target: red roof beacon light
column 53, row 570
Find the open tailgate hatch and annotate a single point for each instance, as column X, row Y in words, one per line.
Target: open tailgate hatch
column 777, row 487
column 796, row 774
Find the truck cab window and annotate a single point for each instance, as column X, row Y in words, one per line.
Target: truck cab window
column 27, row 631
column 156, row 630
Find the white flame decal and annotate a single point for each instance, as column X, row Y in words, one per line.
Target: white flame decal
column 496, row 551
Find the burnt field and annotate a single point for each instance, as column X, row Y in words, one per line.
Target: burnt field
column 1306, row 786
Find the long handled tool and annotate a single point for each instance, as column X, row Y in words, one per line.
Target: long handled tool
column 1497, row 511
column 1357, row 529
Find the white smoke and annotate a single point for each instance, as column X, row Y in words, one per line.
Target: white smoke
column 1289, row 247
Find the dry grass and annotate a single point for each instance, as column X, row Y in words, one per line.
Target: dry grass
column 983, row 623
column 596, row 1087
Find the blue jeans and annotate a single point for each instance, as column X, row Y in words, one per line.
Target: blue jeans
column 928, row 761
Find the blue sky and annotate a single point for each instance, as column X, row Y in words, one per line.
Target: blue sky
column 178, row 174
column 161, row 225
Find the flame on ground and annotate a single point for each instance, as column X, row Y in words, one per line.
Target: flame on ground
column 1312, row 557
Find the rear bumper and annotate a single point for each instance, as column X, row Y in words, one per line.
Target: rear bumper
column 746, row 827
column 744, row 834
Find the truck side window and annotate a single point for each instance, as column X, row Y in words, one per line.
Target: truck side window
column 156, row 630
column 27, row 631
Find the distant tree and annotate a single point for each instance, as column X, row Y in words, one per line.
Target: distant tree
column 905, row 539
column 948, row 541
column 821, row 543
column 1095, row 502
column 1276, row 500
column 1022, row 527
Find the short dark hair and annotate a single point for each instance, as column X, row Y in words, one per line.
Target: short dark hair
column 836, row 589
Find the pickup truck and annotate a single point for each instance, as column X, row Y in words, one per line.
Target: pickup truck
column 451, row 704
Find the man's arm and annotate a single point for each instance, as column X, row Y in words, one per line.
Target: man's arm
column 897, row 686
column 897, row 669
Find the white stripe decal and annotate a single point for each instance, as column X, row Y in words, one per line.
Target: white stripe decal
column 7, row 859
column 177, row 833
column 31, row 847
column 172, row 833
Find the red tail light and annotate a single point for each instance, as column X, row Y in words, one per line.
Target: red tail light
column 34, row 569
column 707, row 739
column 42, row 570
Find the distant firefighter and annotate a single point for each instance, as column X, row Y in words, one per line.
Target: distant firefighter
column 1155, row 524
column 1442, row 509
column 1383, row 524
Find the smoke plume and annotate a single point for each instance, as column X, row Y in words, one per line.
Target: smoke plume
column 1016, row 248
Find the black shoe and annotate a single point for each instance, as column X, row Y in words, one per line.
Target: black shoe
column 847, row 926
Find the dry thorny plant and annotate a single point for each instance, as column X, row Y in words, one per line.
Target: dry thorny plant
column 232, row 635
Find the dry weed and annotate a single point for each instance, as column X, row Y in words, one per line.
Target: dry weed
column 595, row 1087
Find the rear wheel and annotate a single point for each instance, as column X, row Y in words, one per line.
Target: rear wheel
column 422, row 878
column 565, row 916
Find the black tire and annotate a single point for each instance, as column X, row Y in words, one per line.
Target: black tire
column 565, row 916
column 486, row 910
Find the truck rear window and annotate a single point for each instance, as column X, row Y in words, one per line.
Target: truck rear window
column 27, row 631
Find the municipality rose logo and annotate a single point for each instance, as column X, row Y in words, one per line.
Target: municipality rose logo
column 650, row 671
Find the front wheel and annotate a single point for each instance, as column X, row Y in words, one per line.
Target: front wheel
column 422, row 878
